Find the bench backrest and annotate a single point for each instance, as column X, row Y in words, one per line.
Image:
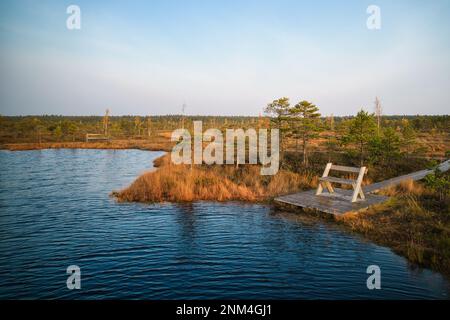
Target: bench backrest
column 360, row 171
column 346, row 169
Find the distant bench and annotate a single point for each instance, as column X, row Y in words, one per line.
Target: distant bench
column 96, row 137
column 325, row 181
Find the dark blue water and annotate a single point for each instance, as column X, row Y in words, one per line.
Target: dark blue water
column 55, row 212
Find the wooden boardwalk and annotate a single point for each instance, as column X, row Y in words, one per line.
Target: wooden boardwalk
column 337, row 203
column 375, row 187
column 340, row 202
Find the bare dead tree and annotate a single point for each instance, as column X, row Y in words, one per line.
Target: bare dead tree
column 183, row 109
column 149, row 126
column 106, row 122
column 378, row 113
column 331, row 122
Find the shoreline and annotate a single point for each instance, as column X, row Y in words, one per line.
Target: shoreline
column 107, row 145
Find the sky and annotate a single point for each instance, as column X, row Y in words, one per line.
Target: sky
column 222, row 57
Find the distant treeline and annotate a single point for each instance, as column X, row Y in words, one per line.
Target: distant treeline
column 54, row 127
column 385, row 142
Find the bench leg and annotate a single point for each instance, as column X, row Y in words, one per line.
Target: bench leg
column 357, row 186
column 329, row 187
column 325, row 174
column 361, row 194
column 319, row 189
column 355, row 193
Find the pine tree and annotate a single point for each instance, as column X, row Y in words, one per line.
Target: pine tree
column 305, row 116
column 391, row 144
column 279, row 112
column 361, row 130
column 408, row 138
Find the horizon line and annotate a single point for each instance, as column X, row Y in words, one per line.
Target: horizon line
column 199, row 115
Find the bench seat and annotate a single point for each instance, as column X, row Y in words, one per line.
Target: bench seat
column 338, row 180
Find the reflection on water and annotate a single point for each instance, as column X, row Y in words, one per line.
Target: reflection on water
column 55, row 212
column 185, row 218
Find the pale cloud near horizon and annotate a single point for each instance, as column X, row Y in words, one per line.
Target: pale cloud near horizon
column 138, row 70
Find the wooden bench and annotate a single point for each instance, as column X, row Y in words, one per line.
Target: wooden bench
column 325, row 181
column 96, row 137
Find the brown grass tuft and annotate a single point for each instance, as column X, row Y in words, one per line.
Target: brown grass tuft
column 407, row 187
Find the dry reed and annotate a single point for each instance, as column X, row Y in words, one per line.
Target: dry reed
column 182, row 183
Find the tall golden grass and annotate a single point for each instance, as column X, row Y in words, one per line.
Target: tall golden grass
column 183, row 183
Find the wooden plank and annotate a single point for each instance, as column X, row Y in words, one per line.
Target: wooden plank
column 418, row 175
column 345, row 168
column 337, row 180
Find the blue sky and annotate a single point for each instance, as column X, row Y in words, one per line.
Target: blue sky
column 223, row 57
